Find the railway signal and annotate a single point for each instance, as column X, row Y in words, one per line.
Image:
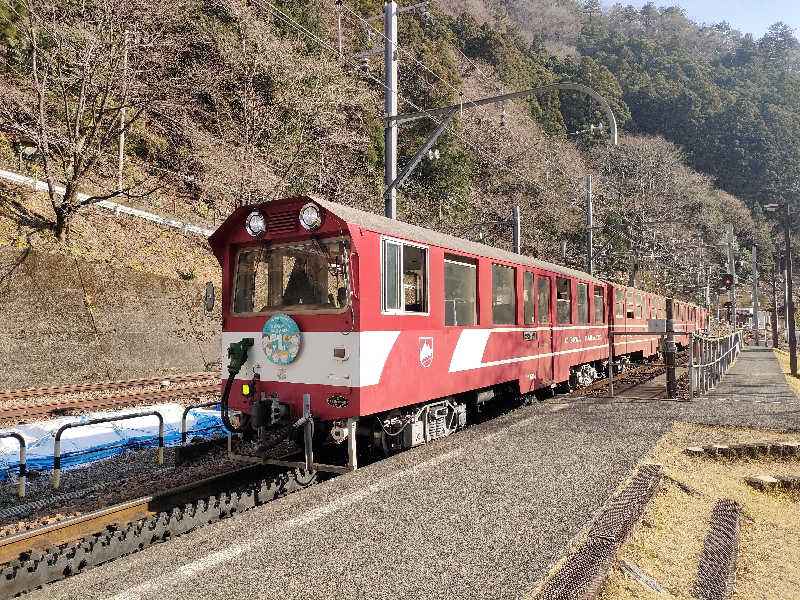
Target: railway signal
column 727, row 281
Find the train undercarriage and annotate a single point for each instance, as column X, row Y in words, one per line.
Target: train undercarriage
column 340, row 441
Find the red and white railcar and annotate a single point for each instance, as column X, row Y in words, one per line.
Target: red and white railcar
column 402, row 328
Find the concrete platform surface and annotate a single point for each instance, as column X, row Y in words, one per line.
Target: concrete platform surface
column 481, row 514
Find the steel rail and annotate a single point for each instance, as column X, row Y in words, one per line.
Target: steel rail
column 106, row 385
column 43, row 410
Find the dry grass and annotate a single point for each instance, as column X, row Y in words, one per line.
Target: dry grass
column 668, row 542
column 26, row 220
column 794, row 382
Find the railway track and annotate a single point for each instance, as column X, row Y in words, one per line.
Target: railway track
column 630, row 378
column 46, row 554
column 105, row 385
column 106, row 402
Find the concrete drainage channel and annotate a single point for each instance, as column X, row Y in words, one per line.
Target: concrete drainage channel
column 95, row 538
column 583, row 573
column 715, row 576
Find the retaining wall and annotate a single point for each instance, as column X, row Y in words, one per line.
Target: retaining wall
column 67, row 320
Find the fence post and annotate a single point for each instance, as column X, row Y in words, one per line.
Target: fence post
column 691, row 366
column 23, row 460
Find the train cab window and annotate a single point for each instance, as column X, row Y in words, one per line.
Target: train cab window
column 583, row 302
column 599, row 306
column 460, row 284
column 529, row 298
column 630, row 310
column 620, row 303
column 504, row 296
column 405, row 277
column 299, row 277
column 563, row 301
column 638, row 306
column 543, row 299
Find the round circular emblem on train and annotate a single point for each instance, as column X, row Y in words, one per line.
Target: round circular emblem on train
column 281, row 339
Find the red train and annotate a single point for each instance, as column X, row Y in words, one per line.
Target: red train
column 393, row 333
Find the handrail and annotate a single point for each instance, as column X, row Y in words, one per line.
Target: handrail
column 23, row 460
column 186, row 412
column 710, row 359
column 63, row 428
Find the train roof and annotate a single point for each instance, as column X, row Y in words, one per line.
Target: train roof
column 415, row 233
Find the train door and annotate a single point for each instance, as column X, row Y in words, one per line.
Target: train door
column 544, row 326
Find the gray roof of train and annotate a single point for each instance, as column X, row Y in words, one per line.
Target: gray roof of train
column 407, row 231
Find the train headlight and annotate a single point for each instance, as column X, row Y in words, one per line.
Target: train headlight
column 256, row 224
column 310, row 216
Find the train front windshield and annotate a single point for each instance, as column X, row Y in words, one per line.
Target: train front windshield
column 309, row 276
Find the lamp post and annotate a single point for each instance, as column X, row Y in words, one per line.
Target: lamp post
column 787, row 240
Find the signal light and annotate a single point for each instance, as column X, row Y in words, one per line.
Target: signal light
column 727, row 281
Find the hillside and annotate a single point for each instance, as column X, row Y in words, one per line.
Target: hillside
column 239, row 101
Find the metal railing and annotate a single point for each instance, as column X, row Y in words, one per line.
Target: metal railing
column 22, row 460
column 709, row 360
column 185, row 432
column 57, row 445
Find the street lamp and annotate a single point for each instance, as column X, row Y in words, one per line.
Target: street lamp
column 789, row 302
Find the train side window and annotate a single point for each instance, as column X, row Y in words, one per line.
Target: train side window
column 543, row 299
column 630, row 311
column 405, row 277
column 529, row 298
column 620, row 303
column 638, row 306
column 460, row 284
column 599, row 306
column 563, row 301
column 583, row 302
column 504, row 296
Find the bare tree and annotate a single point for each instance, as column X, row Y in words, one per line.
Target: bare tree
column 88, row 72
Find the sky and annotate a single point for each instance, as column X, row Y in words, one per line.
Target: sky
column 748, row 16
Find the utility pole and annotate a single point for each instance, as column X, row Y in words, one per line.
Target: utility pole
column 787, row 238
column 339, row 24
column 670, row 349
column 390, row 106
column 708, row 298
column 774, row 310
column 755, row 298
column 122, row 111
column 732, row 267
column 589, row 225
column 517, row 231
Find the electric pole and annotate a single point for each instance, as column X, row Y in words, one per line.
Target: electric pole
column 390, row 106
column 787, row 238
column 122, row 111
column 732, row 270
column 774, row 310
column 589, row 225
column 755, row 298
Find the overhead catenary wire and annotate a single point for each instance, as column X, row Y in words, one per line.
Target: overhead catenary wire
column 462, row 95
column 292, row 22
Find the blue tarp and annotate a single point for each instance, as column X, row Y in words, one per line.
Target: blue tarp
column 83, row 445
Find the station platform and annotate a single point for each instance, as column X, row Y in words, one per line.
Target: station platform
column 481, row 514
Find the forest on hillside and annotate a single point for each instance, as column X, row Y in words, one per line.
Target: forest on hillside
column 228, row 102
